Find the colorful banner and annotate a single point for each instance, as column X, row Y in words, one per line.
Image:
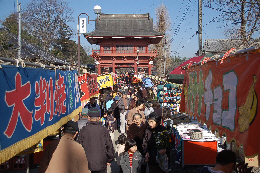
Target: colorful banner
column 88, row 86
column 35, row 102
column 105, row 81
column 226, row 97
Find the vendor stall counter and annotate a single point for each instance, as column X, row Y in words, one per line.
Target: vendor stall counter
column 195, row 145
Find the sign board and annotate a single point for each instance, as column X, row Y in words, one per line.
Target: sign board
column 105, row 81
column 35, row 102
column 88, row 86
column 83, row 26
column 226, row 97
column 150, row 62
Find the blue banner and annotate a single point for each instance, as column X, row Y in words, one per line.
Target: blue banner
column 32, row 99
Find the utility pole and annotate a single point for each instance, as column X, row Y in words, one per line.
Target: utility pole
column 20, row 28
column 200, row 27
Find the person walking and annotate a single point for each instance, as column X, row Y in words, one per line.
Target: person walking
column 136, row 131
column 123, row 105
column 84, row 119
column 92, row 104
column 138, row 109
column 115, row 109
column 148, row 109
column 131, row 159
column 69, row 156
column 97, row 143
column 120, row 148
column 149, row 143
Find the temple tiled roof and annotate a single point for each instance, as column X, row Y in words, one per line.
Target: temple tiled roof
column 124, row 25
column 220, row 45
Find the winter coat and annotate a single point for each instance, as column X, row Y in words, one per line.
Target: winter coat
column 94, row 105
column 114, row 108
column 149, row 144
column 147, row 111
column 144, row 93
column 137, row 133
column 132, row 104
column 68, row 157
column 120, row 148
column 121, row 104
column 207, row 169
column 131, row 114
column 47, row 155
column 82, row 122
column 98, row 146
column 136, row 162
column 158, row 111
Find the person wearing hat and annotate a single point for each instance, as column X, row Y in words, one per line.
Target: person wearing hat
column 69, row 155
column 97, row 143
column 84, row 119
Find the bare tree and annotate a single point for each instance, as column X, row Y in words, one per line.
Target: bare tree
column 241, row 17
column 47, row 20
column 162, row 25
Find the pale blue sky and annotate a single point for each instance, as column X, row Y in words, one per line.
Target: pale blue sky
column 183, row 13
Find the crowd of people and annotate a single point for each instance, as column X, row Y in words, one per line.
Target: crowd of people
column 86, row 145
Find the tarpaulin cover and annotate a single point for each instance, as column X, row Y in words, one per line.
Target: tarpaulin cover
column 88, row 86
column 178, row 70
column 227, row 98
column 105, row 81
column 35, row 102
column 147, row 82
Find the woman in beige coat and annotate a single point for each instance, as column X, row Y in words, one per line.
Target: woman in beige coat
column 69, row 156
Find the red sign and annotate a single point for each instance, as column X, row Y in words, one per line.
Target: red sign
column 226, row 97
column 88, row 86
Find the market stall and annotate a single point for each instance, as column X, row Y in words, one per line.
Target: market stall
column 191, row 141
column 224, row 93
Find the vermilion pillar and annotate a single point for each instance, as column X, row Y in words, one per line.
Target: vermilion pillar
column 99, row 69
column 135, row 67
column 113, row 67
column 149, row 69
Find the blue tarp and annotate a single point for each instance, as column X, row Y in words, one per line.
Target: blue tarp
column 147, row 82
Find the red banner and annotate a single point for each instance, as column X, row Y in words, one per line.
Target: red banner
column 88, row 86
column 226, row 97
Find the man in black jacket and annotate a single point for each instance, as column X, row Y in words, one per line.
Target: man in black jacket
column 114, row 108
column 97, row 143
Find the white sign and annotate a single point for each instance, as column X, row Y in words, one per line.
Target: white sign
column 83, row 25
column 151, row 62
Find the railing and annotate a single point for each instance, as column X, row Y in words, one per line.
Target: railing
column 122, row 51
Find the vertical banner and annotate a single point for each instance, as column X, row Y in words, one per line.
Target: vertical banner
column 226, row 97
column 83, row 25
column 88, row 86
column 34, row 104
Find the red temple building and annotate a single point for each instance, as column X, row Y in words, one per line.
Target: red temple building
column 124, row 40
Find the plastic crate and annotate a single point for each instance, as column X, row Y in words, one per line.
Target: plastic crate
column 6, row 165
column 19, row 163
